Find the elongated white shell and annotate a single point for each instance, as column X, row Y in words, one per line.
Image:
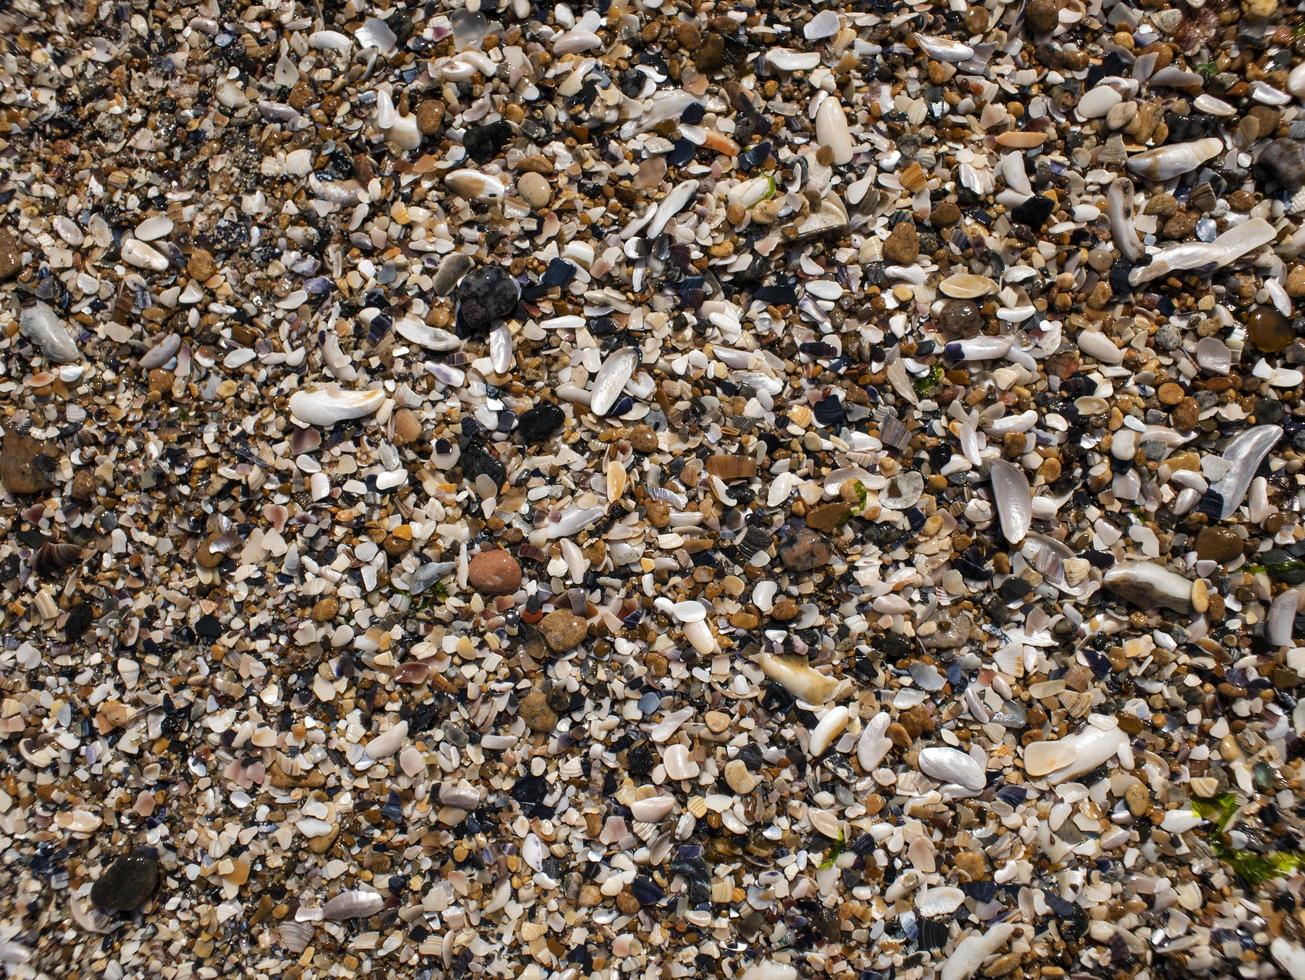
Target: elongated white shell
column 475, row 185
column 500, row 348
column 1228, row 247
column 831, row 726
column 1289, row 956
column 356, row 904
column 42, row 326
column 652, row 809
column 944, row 48
column 1174, row 159
column 798, row 678
column 832, row 131
column 786, row 59
column 427, row 336
column 329, row 405
column 387, row 743
column 1010, row 490
column 612, row 378
column 671, row 205
column 939, row 901
column 950, row 765
column 1147, row 584
column 872, row 745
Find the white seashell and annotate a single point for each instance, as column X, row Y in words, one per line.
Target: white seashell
column 699, row 634
column 966, row 285
column 1212, row 106
column 753, row 191
column 329, row 41
column 831, row 726
column 616, row 480
column 798, row 678
column 939, row 901
column 1174, row 159
column 43, row 327
column 501, row 357
column 678, row 764
column 577, row 40
column 689, row 611
column 1228, row 247
column 432, row 338
column 1041, row 758
column 329, row 405
column 944, row 48
column 1180, row 821
column 1097, row 101
column 1296, row 81
column 832, row 132
column 671, row 205
column 387, row 743
column 822, row 25
column 143, row 256
column 1014, row 499
column 653, row 808
column 154, row 228
column 786, row 59
column 474, row 185
column 872, row 746
column 1119, row 209
column 357, row 904
column 611, row 379
column 970, row 952
column 1096, row 344
column 1244, row 454
column 770, row 970
column 1289, row 956
column 950, row 765
column 375, row 33
column 1147, row 584
column 1266, row 94
column 1278, row 627
column 1092, row 746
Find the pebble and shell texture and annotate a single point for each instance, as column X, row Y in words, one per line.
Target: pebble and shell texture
column 751, row 490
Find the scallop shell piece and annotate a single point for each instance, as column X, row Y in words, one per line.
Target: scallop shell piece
column 798, row 677
column 1014, row 499
column 1041, row 758
column 1174, row 159
column 329, row 405
column 474, row 185
column 43, row 327
column 949, row 765
column 944, row 48
column 966, row 285
column 612, row 378
column 354, row 904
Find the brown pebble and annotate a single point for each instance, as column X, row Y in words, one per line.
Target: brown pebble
column 536, row 713
column 1219, row 544
column 25, row 463
column 494, row 573
column 11, row 254
column 325, row 609
column 563, row 630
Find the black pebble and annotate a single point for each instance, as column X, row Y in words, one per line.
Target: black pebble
column 539, row 423
column 485, row 295
column 482, row 143
column 1034, row 212
column 477, row 461
column 127, row 883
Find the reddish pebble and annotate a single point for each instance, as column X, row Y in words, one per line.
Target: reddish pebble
column 494, row 573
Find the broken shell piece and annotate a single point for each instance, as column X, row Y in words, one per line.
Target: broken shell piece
column 1148, row 585
column 357, row 904
column 1041, row 758
column 798, row 678
column 832, row 132
column 1014, row 499
column 612, row 378
column 329, row 405
column 1174, row 159
column 1090, row 748
column 1244, row 455
column 950, row 765
column 474, row 185
column 43, row 327
column 944, row 49
column 970, row 952
column 966, row 285
column 831, row 726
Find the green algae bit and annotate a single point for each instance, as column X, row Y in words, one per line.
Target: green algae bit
column 1252, row 867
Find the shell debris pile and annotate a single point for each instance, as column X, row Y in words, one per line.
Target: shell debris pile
column 652, row 488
